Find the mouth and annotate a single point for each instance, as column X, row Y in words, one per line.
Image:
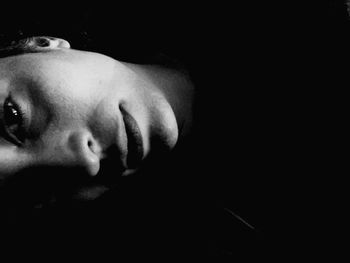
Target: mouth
column 134, row 138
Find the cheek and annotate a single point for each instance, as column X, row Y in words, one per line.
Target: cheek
column 11, row 160
column 103, row 121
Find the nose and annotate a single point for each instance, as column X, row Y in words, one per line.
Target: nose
column 85, row 150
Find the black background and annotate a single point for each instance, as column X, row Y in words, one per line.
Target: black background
column 260, row 70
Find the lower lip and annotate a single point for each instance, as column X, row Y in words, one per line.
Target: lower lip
column 135, row 143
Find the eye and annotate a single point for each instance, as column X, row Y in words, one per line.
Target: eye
column 13, row 122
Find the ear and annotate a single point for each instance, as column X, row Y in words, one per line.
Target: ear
column 47, row 43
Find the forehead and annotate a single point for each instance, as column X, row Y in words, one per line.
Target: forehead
column 56, row 58
column 34, row 72
column 31, row 64
column 57, row 65
column 57, row 75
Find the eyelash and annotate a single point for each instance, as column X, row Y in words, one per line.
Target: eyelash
column 21, row 129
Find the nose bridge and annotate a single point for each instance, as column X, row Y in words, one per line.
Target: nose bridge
column 79, row 148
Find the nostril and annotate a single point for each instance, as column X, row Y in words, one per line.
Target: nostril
column 93, row 147
column 86, row 151
column 90, row 144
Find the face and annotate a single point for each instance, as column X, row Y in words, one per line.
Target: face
column 74, row 108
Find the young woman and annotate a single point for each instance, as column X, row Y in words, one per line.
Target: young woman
column 63, row 107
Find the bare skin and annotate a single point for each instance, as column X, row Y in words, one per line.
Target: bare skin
column 65, row 107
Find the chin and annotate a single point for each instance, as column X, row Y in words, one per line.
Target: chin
column 89, row 193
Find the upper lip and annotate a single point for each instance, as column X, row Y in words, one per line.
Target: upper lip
column 135, row 149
